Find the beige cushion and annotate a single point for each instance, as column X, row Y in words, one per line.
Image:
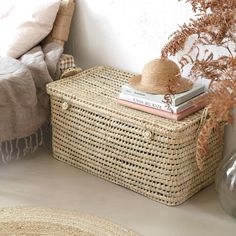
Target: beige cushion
column 24, row 24
column 61, row 27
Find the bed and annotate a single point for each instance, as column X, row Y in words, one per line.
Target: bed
column 24, row 104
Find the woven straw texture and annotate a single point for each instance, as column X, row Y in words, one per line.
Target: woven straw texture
column 46, row 221
column 151, row 155
column 61, row 26
column 66, row 61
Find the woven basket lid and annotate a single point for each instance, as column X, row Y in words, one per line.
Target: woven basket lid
column 160, row 76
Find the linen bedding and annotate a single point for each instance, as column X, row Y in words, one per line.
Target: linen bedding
column 24, row 104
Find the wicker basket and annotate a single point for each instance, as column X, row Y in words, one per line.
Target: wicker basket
column 151, row 155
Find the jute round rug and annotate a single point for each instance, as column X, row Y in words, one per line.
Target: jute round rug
column 47, row 221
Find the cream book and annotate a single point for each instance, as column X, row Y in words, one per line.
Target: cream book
column 176, row 99
column 161, row 105
column 158, row 112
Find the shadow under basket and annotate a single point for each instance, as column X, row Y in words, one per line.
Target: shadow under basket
column 148, row 154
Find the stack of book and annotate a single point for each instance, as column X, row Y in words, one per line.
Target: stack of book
column 183, row 104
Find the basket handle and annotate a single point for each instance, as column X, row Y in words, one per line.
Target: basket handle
column 70, row 72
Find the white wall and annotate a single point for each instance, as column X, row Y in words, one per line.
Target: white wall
column 126, row 34
column 123, row 33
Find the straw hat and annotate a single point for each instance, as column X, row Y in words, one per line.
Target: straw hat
column 159, row 76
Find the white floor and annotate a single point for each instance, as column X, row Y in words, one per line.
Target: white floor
column 45, row 182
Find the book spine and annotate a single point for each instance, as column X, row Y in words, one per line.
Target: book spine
column 157, row 105
column 126, row 89
column 150, row 110
column 161, row 113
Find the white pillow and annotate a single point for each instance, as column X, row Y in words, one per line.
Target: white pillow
column 24, row 24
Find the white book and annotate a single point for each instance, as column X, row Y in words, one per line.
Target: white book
column 177, row 99
column 159, row 105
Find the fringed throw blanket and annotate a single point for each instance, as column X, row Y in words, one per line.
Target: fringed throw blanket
column 24, row 104
column 17, row 148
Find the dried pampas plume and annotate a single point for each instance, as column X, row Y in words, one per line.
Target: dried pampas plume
column 214, row 24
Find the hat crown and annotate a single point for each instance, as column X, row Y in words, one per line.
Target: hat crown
column 160, row 76
column 160, row 72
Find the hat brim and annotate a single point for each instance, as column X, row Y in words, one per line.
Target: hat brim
column 182, row 85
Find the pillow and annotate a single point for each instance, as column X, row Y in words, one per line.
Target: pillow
column 24, row 24
column 61, row 27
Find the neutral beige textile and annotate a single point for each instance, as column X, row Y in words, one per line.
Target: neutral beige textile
column 61, row 27
column 24, row 104
column 25, row 24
